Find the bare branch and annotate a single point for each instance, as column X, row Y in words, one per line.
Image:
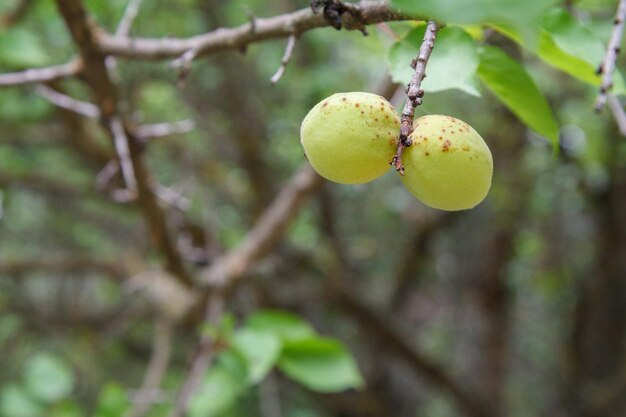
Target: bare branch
column 123, row 29
column 120, row 140
column 607, row 67
column 41, row 75
column 266, row 233
column 414, row 93
column 158, row 130
column 97, row 77
column 173, row 198
column 238, row 38
column 106, row 174
column 68, row 103
column 183, row 65
column 132, row 9
column 291, row 42
column 618, row 113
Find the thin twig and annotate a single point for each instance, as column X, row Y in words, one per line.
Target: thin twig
column 106, row 174
column 132, row 9
column 158, row 130
column 123, row 29
column 155, row 371
column 291, row 42
column 607, row 67
column 618, row 113
column 172, row 198
column 414, row 93
column 123, row 153
column 183, row 65
column 41, row 75
column 207, row 350
column 68, row 103
column 265, row 234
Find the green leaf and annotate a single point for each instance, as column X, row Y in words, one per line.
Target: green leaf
column 15, row 401
column 285, row 326
column 509, row 82
column 20, row 48
column 573, row 48
column 48, row 377
column 112, row 401
column 320, row 364
column 569, row 46
column 260, row 349
column 524, row 15
column 224, row 383
column 453, row 62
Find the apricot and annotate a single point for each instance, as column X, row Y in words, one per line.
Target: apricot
column 449, row 165
column 351, row 137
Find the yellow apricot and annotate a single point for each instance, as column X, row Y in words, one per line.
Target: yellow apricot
column 449, row 165
column 350, row 137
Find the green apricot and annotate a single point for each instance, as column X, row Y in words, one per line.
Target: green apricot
column 351, row 137
column 448, row 166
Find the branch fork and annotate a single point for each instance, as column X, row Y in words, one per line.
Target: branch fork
column 333, row 11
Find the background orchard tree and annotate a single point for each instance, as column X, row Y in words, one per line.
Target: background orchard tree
column 167, row 250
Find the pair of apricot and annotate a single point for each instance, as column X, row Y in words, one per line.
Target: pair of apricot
column 351, row 137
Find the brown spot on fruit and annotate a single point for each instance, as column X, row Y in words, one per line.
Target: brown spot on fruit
column 357, row 105
column 440, row 137
column 446, row 146
column 427, row 153
column 325, row 104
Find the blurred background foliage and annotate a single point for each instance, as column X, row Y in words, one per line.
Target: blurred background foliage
column 521, row 302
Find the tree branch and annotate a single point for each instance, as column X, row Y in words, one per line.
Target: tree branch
column 291, row 43
column 238, row 38
column 266, row 233
column 158, row 130
column 68, row 103
column 97, row 77
column 414, row 93
column 41, row 75
column 132, row 9
column 607, row 67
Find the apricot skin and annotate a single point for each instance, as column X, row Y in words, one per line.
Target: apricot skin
column 448, row 166
column 350, row 138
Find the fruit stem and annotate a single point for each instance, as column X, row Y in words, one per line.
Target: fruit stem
column 414, row 93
